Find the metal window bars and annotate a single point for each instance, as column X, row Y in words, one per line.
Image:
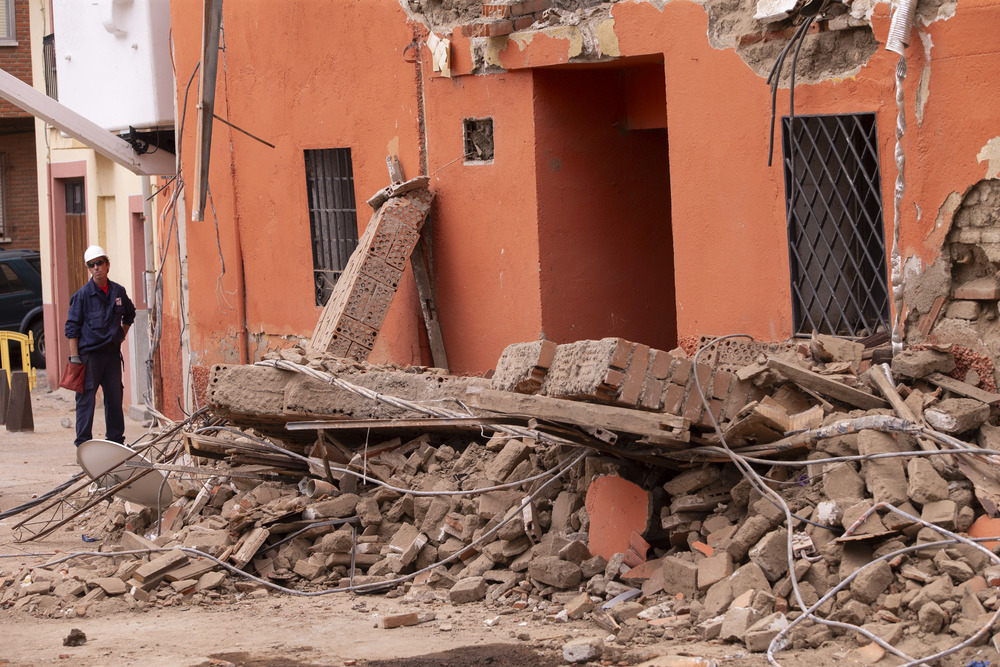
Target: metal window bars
column 836, row 242
column 333, row 216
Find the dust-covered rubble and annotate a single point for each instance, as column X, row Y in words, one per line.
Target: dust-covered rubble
column 842, row 525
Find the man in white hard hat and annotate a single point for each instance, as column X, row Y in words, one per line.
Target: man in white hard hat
column 100, row 315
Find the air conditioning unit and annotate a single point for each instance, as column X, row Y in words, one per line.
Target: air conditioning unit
column 113, row 61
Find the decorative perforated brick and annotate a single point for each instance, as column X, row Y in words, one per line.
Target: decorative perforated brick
column 378, row 306
column 360, row 296
column 402, row 246
column 356, row 331
column 378, row 269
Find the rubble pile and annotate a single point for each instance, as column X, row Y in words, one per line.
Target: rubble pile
column 605, row 494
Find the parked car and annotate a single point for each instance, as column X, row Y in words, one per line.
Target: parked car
column 21, row 298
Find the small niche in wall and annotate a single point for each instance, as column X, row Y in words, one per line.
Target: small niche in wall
column 478, row 134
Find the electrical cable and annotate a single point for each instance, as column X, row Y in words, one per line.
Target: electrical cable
column 360, row 588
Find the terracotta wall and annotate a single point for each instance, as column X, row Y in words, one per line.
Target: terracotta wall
column 685, row 224
column 604, row 229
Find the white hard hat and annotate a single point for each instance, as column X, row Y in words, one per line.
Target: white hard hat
column 93, row 252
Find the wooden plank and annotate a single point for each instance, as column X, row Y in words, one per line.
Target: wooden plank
column 877, row 377
column 249, row 546
column 621, row 420
column 962, row 388
column 425, row 292
column 429, row 423
column 825, row 386
column 161, row 565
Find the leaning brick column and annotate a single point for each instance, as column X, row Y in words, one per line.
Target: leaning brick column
column 360, row 300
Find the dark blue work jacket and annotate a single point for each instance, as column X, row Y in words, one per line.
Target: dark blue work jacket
column 96, row 318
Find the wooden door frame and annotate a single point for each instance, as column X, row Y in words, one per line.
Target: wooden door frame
column 57, row 347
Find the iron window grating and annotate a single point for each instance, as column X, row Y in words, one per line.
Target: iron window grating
column 49, row 61
column 836, row 239
column 333, row 219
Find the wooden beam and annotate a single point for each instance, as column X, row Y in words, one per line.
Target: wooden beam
column 425, row 292
column 826, row 386
column 82, row 129
column 212, row 22
column 661, row 426
column 962, row 388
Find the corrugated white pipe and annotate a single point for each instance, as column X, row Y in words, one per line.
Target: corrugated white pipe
column 897, row 41
column 901, row 26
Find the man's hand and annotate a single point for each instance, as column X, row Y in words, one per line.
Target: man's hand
column 75, row 359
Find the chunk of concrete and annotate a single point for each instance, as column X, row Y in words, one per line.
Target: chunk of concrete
column 771, row 554
column 957, row 415
column 680, row 576
column 871, row 582
column 885, row 478
column 553, row 571
column 470, row 589
column 925, row 484
column 585, row 649
column 919, row 363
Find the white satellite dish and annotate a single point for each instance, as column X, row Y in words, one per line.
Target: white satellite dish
column 97, row 456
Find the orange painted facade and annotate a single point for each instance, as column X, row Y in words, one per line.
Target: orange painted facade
column 627, row 198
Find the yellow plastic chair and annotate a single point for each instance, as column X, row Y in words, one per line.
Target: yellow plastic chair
column 27, row 343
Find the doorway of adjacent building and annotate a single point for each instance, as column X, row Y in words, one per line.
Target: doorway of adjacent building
column 76, row 233
column 605, row 238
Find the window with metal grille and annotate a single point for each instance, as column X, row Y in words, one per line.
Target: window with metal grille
column 49, row 61
column 836, row 242
column 333, row 218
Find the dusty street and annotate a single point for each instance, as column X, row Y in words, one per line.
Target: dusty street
column 275, row 629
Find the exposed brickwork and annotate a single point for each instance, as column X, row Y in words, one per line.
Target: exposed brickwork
column 503, row 17
column 626, row 374
column 16, row 60
column 17, row 141
column 363, row 294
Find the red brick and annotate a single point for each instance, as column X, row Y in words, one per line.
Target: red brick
column 621, row 355
column 635, row 376
column 693, row 407
column 721, row 383
column 673, row 399
column 660, row 366
column 715, row 406
column 681, row 371
column 651, row 397
column 546, row 354
column 489, row 28
column 523, row 22
column 982, row 289
column 704, row 373
column 613, row 379
column 737, row 398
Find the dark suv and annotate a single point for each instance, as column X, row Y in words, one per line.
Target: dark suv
column 21, row 298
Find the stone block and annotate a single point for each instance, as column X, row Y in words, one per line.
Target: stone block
column 919, row 363
column 771, row 554
column 736, row 622
column 585, row 649
column 470, row 589
column 885, row 478
column 871, row 582
column 713, row 569
column 552, row 571
column 679, row 576
column 957, row 415
column 925, row 485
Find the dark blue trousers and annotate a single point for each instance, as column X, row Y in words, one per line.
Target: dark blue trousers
column 104, row 370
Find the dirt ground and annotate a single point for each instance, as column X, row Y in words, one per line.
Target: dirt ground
column 276, row 629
